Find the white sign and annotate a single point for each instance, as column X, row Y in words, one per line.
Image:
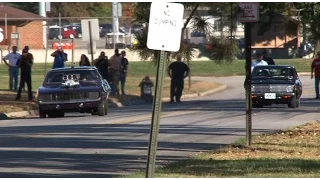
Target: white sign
column 1, row 35
column 250, row 11
column 95, row 30
column 165, row 25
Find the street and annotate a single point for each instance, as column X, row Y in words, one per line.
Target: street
column 90, row 146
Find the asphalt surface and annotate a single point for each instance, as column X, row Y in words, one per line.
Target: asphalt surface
column 86, row 146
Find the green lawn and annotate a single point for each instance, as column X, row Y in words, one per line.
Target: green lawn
column 288, row 154
column 141, row 69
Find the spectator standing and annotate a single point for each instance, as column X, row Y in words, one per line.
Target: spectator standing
column 115, row 62
column 102, row 65
column 59, row 58
column 13, row 58
column 258, row 61
column 315, row 67
column 267, row 58
column 124, row 71
column 177, row 71
column 25, row 64
column 84, row 61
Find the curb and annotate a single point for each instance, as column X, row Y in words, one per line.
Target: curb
column 113, row 104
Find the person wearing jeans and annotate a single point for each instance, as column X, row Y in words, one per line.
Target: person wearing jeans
column 13, row 58
column 315, row 67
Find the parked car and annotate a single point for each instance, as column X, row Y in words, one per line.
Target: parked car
column 66, row 33
column 77, row 89
column 276, row 84
column 76, row 28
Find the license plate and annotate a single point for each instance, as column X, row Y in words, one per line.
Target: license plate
column 270, row 96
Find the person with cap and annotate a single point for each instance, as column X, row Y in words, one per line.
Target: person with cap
column 115, row 62
column 25, row 64
column 124, row 71
column 315, row 67
column 267, row 58
column 258, row 62
column 13, row 58
column 177, row 71
column 59, row 58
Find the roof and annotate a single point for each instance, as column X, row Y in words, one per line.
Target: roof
column 15, row 14
column 74, row 68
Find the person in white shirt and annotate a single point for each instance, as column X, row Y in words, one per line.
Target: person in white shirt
column 13, row 58
column 258, row 62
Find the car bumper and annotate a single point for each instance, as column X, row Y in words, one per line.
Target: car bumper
column 69, row 106
column 280, row 98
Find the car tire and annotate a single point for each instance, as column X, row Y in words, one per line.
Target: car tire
column 257, row 105
column 298, row 103
column 101, row 109
column 293, row 102
column 106, row 106
column 55, row 114
column 42, row 114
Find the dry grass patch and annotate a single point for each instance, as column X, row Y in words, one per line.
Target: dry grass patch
column 292, row 153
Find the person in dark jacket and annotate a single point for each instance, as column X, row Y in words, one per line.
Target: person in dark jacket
column 25, row 64
column 124, row 71
column 177, row 71
column 102, row 65
column 267, row 58
column 84, row 61
column 59, row 58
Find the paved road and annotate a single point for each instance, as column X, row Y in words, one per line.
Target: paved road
column 83, row 146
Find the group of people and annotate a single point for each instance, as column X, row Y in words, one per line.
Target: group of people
column 262, row 59
column 23, row 62
column 114, row 70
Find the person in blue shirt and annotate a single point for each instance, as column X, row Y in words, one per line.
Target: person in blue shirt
column 59, row 58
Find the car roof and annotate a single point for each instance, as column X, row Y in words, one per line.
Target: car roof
column 276, row 66
column 74, row 68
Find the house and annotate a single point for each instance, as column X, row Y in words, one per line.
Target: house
column 29, row 27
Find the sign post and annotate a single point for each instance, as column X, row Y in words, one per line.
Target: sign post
column 250, row 13
column 90, row 32
column 165, row 24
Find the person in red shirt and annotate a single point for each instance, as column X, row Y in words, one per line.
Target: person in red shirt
column 315, row 67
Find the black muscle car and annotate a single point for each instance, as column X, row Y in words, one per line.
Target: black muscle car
column 78, row 89
column 275, row 84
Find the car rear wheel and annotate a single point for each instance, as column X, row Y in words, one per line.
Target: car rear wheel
column 106, row 107
column 294, row 103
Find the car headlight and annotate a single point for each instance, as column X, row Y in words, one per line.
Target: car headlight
column 253, row 88
column 45, row 97
column 290, row 88
column 93, row 95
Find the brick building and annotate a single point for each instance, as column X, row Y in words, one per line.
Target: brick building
column 29, row 26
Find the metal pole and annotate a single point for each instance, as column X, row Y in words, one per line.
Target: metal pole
column 6, row 27
column 90, row 41
column 114, row 15
column 72, row 52
column 47, row 44
column 248, row 87
column 155, row 123
column 60, row 26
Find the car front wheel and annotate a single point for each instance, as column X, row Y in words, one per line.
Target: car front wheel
column 55, row 114
column 42, row 114
column 294, row 102
column 101, row 109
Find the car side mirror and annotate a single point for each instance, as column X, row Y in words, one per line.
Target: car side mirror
column 106, row 85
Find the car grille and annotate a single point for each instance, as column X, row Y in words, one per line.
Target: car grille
column 270, row 88
column 66, row 96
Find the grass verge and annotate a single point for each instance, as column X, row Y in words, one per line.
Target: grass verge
column 292, row 153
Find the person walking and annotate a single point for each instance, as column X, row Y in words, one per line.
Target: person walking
column 13, row 58
column 25, row 64
column 124, row 71
column 102, row 65
column 315, row 73
column 115, row 62
column 267, row 58
column 177, row 71
column 59, row 58
column 84, row 61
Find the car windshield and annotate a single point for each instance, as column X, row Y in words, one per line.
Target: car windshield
column 273, row 72
column 84, row 76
